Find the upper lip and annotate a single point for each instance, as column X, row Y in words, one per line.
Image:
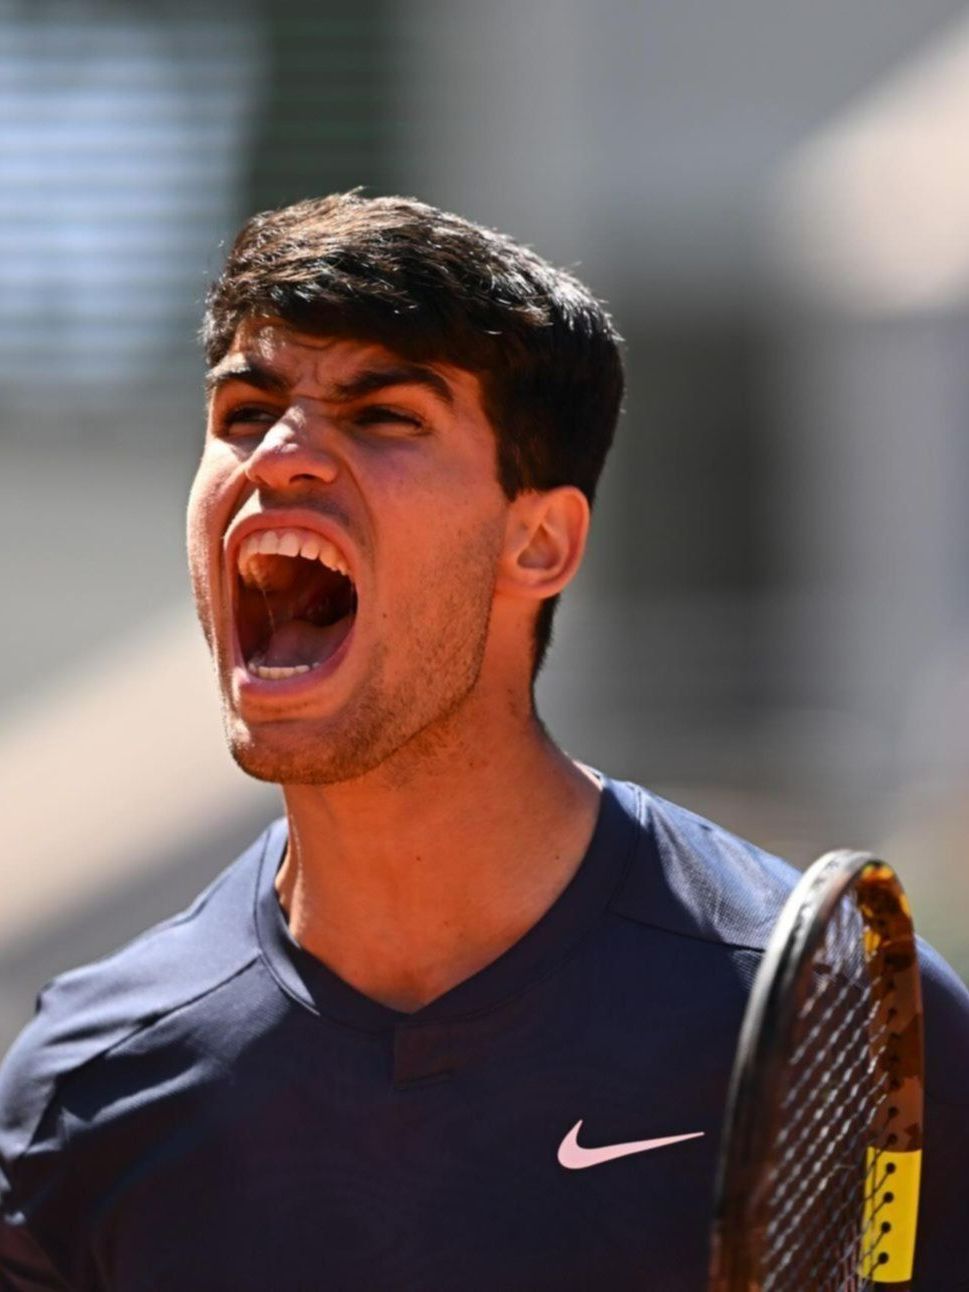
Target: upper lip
column 278, row 518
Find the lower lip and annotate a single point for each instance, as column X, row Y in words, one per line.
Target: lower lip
column 284, row 688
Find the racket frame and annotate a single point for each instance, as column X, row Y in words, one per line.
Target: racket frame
column 767, row 1027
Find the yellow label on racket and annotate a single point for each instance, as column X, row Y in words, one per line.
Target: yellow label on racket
column 892, row 1200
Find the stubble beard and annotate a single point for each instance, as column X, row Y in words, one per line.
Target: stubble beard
column 398, row 726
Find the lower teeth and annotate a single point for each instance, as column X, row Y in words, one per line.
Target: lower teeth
column 277, row 671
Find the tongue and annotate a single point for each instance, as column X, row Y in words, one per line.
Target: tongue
column 300, row 642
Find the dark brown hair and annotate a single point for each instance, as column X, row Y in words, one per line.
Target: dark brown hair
column 431, row 286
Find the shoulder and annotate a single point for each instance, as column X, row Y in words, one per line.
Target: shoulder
column 85, row 1014
column 690, row 876
column 945, row 1005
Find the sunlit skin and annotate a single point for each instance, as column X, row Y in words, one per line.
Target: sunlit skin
column 431, row 819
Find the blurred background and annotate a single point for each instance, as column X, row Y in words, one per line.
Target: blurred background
column 772, row 626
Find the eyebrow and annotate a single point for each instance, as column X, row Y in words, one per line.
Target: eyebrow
column 399, row 374
column 239, row 367
column 249, row 370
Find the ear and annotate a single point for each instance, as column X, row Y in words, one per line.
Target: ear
column 545, row 540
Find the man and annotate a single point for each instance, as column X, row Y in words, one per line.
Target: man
column 380, row 1051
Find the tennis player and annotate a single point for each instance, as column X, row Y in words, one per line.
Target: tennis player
column 464, row 1017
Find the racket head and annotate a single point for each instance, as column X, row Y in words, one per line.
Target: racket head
column 817, row 1184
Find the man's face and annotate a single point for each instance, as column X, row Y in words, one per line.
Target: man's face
column 375, row 479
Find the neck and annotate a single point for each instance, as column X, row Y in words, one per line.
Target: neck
column 407, row 884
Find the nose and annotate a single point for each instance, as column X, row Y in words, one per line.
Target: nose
column 291, row 452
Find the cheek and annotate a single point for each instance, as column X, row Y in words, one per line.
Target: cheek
column 203, row 519
column 195, row 527
column 452, row 558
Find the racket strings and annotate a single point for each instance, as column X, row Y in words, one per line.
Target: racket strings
column 815, row 1243
column 847, row 1076
column 834, row 1104
column 820, row 1246
column 803, row 1231
column 806, row 1236
column 848, row 990
column 813, row 1054
column 828, row 1057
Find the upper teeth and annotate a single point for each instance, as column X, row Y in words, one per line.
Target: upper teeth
column 289, row 542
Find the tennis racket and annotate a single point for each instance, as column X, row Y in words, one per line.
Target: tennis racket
column 818, row 1181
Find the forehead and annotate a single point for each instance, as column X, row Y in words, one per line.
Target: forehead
column 326, row 366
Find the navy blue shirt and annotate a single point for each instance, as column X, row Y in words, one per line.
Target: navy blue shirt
column 212, row 1109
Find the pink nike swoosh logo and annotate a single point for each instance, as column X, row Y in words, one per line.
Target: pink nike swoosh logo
column 575, row 1158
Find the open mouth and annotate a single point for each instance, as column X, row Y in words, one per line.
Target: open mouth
column 295, row 602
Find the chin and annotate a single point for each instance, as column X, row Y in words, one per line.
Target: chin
column 399, row 731
column 290, row 767
column 289, row 762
